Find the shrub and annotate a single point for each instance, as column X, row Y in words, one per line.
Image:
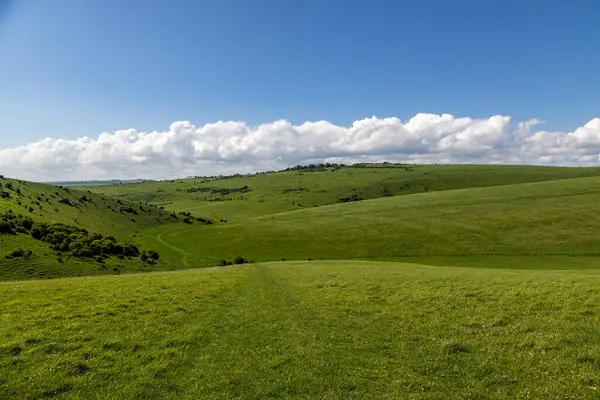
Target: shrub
column 17, row 253
column 348, row 199
column 37, row 232
column 5, row 227
column 240, row 260
column 130, row 250
column 153, row 254
column 144, row 257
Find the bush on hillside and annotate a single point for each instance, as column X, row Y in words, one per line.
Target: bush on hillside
column 5, row 228
column 17, row 253
column 66, row 201
column 240, row 260
column 348, row 199
column 67, row 238
column 237, row 260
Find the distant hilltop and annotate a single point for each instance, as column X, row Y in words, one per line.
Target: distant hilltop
column 97, row 182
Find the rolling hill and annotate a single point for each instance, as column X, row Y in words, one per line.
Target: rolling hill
column 238, row 197
column 541, row 219
column 358, row 290
column 83, row 210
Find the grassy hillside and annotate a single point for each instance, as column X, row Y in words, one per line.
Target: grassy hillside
column 556, row 217
column 416, row 211
column 328, row 330
column 524, row 324
column 98, row 214
column 45, row 263
column 239, row 197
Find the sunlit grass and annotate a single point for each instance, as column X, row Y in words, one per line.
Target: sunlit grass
column 332, row 330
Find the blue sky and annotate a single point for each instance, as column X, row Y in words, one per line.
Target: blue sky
column 71, row 68
column 74, row 68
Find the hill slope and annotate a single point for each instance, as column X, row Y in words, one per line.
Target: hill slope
column 556, row 217
column 25, row 206
column 96, row 212
column 239, row 197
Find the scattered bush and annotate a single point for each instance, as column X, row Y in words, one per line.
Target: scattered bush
column 67, row 238
column 291, row 190
column 66, row 201
column 17, row 253
column 240, row 260
column 5, row 227
column 237, row 260
column 221, row 191
column 128, row 210
column 348, row 199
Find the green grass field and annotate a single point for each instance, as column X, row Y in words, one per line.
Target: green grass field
column 399, row 282
column 543, row 218
column 287, row 191
column 335, row 330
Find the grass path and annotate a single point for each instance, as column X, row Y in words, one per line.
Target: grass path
column 183, row 253
column 344, row 332
column 274, row 348
column 304, row 330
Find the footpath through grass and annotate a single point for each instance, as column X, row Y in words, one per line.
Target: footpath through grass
column 330, row 330
column 543, row 218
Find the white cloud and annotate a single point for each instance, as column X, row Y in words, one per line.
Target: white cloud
column 230, row 147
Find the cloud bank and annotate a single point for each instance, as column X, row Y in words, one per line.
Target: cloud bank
column 232, row 147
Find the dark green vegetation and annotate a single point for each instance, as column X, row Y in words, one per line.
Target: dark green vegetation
column 303, row 330
column 409, row 282
column 48, row 232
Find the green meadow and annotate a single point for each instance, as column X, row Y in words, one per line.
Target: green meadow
column 531, row 219
column 374, row 281
column 327, row 329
